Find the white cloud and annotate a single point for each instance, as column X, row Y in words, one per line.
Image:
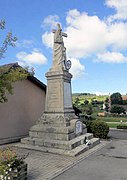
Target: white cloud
column 121, row 9
column 77, row 69
column 101, row 93
column 51, row 21
column 86, row 34
column 112, row 57
column 35, row 57
column 47, row 39
column 25, row 43
column 92, row 36
column 117, row 36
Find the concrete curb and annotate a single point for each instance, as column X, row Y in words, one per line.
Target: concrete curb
column 115, row 129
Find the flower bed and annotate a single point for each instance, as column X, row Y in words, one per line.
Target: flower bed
column 12, row 166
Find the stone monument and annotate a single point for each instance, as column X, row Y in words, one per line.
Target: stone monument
column 59, row 130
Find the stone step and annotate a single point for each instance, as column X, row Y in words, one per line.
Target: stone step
column 78, row 150
column 83, row 147
column 54, row 133
column 51, row 129
column 74, row 152
column 66, row 145
column 53, row 136
column 94, row 142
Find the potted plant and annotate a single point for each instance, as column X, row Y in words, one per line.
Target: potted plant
column 12, row 166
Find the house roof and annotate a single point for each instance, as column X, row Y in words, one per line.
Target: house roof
column 7, row 67
column 124, row 97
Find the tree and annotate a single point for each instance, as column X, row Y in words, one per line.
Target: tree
column 8, row 41
column 86, row 102
column 116, row 98
column 9, row 75
column 89, row 109
column 106, row 103
column 117, row 109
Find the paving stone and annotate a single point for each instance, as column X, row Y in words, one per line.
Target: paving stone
column 46, row 166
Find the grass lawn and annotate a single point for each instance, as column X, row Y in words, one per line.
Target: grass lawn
column 113, row 119
column 114, row 125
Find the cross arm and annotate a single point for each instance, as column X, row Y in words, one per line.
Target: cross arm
column 63, row 34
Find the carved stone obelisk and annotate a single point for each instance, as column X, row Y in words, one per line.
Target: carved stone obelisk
column 59, row 130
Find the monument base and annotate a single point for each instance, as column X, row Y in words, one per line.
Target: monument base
column 56, row 133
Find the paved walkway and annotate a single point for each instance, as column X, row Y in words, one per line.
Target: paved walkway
column 46, row 166
column 109, row 163
column 98, row 163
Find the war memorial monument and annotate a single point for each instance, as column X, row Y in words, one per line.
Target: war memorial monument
column 58, row 130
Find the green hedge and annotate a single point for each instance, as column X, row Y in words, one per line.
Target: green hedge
column 100, row 129
column 122, row 126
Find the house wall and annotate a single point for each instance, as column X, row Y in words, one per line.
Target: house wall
column 21, row 111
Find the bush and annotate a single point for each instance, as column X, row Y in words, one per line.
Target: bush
column 88, row 124
column 9, row 163
column 117, row 109
column 100, row 129
column 122, row 126
column 124, row 102
column 89, row 109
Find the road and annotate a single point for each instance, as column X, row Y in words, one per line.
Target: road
column 109, row 163
column 118, row 134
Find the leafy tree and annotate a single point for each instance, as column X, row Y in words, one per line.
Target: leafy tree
column 89, row 109
column 8, row 41
column 76, row 101
column 86, row 102
column 116, row 98
column 9, row 76
column 106, row 104
column 117, row 109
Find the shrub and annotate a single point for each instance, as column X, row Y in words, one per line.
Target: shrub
column 88, row 124
column 117, row 109
column 9, row 163
column 124, row 102
column 89, row 109
column 122, row 126
column 100, row 129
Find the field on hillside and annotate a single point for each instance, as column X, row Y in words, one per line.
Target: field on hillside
column 90, row 97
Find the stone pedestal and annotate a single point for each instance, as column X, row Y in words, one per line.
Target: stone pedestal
column 59, row 130
column 58, row 94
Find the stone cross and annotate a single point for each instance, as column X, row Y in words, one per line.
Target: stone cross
column 63, row 34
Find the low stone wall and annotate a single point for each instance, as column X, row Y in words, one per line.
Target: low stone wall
column 11, row 139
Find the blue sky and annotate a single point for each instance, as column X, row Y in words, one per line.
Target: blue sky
column 96, row 42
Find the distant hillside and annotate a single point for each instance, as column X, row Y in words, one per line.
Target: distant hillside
column 87, row 96
column 83, row 94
